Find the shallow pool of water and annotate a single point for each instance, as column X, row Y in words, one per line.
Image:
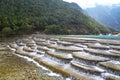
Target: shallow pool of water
column 93, row 36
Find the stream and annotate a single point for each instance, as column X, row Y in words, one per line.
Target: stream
column 70, row 57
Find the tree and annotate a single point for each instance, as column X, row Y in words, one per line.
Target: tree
column 6, row 31
column 52, row 29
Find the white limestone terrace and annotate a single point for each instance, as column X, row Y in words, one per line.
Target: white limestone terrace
column 74, row 58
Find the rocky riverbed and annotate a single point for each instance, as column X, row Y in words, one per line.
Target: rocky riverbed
column 71, row 58
column 13, row 67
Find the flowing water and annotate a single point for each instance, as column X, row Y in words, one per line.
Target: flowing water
column 94, row 36
column 72, row 57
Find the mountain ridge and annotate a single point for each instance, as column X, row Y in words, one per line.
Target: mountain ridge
column 49, row 16
column 108, row 15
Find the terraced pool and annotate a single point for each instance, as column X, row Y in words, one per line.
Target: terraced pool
column 74, row 58
column 94, row 36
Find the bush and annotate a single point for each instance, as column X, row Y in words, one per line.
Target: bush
column 52, row 29
column 6, row 31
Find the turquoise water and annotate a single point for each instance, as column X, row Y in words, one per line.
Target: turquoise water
column 102, row 37
column 93, row 36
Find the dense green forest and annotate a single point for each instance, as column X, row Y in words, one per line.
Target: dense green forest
column 48, row 16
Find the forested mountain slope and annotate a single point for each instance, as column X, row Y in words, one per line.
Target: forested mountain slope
column 49, row 16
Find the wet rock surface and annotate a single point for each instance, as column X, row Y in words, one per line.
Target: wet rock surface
column 88, row 68
column 112, row 65
column 89, row 57
column 74, row 59
column 13, row 67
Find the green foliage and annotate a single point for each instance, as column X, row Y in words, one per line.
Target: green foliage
column 6, row 31
column 52, row 29
column 56, row 29
column 49, row 16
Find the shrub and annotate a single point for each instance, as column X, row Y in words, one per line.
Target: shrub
column 6, row 31
column 52, row 29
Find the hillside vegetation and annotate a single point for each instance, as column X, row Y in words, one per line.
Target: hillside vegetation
column 48, row 16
